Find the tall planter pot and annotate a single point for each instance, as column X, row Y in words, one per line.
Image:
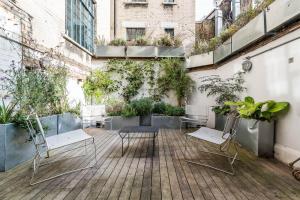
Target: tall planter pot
column 68, row 122
column 168, row 122
column 257, row 136
column 220, row 122
column 15, row 147
column 145, row 120
column 119, row 122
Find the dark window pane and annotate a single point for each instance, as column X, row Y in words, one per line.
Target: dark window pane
column 170, row 31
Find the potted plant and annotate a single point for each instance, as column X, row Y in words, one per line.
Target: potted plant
column 140, row 48
column 143, row 107
column 116, row 48
column 166, row 115
column 257, row 127
column 224, row 90
column 169, row 47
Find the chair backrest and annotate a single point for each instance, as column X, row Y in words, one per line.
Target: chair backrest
column 36, row 130
column 231, row 124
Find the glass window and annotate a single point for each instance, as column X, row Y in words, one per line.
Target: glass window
column 80, row 22
column 170, row 31
column 135, row 33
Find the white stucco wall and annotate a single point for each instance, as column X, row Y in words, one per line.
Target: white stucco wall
column 272, row 77
column 104, row 19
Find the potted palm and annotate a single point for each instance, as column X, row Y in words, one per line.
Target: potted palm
column 257, row 126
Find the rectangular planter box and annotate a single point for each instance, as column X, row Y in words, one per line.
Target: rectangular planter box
column 14, row 146
column 250, row 33
column 282, row 12
column 256, row 137
column 170, row 52
column 223, row 51
column 110, row 51
column 168, row 122
column 118, row 122
column 141, row 51
column 201, row 60
column 68, row 122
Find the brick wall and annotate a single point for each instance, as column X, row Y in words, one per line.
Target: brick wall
column 155, row 17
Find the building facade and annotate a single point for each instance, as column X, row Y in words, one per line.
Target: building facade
column 153, row 18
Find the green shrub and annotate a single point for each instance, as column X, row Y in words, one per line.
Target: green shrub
column 117, row 42
column 114, row 108
column 142, row 106
column 128, row 111
column 159, row 108
column 168, row 41
column 174, row 111
column 140, row 42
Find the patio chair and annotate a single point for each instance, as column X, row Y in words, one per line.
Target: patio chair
column 45, row 145
column 193, row 118
column 92, row 114
column 223, row 139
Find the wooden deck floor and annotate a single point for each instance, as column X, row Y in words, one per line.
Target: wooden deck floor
column 138, row 175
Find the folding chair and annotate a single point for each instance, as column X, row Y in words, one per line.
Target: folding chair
column 45, row 145
column 193, row 118
column 224, row 139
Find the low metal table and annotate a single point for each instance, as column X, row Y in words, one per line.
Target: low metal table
column 140, row 130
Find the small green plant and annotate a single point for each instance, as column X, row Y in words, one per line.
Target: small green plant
column 142, row 106
column 117, row 42
column 222, row 110
column 159, row 108
column 128, row 111
column 6, row 112
column 263, row 111
column 174, row 110
column 140, row 42
column 168, row 41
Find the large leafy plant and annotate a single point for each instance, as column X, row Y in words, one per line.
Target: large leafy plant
column 142, row 106
column 264, row 111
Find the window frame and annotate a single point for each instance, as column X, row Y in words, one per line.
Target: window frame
column 136, row 36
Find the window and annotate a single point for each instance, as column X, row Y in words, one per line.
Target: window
column 170, row 31
column 135, row 33
column 169, row 1
column 80, row 22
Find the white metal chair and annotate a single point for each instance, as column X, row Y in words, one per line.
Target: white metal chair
column 45, row 145
column 223, row 139
column 91, row 114
column 193, row 116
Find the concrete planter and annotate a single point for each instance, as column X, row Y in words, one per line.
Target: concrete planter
column 250, row 33
column 119, row 122
column 145, row 120
column 141, row 51
column 68, row 122
column 14, row 146
column 201, row 60
column 110, row 51
column 223, row 51
column 168, row 122
column 170, row 52
column 257, row 136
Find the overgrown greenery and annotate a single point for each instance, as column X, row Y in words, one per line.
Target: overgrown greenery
column 43, row 90
column 117, row 42
column 263, row 111
column 174, row 78
column 7, row 112
column 98, row 85
column 142, row 106
column 205, row 46
column 168, row 41
column 223, row 89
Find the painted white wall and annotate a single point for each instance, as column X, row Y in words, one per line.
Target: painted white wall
column 103, row 19
column 272, row 77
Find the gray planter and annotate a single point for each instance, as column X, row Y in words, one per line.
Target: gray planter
column 120, row 122
column 50, row 125
column 141, row 51
column 223, row 51
column 145, row 120
column 68, row 122
column 170, row 52
column 201, row 60
column 257, row 136
column 168, row 122
column 220, row 122
column 110, row 51
column 14, row 146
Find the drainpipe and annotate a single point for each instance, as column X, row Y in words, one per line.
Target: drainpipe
column 236, row 8
column 114, row 21
column 218, row 21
